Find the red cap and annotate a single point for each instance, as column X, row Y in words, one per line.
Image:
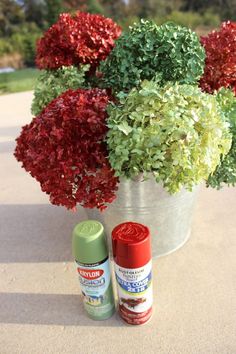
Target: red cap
column 131, row 245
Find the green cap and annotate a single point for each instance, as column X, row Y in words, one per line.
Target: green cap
column 89, row 242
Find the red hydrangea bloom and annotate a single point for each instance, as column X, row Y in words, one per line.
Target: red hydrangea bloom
column 220, row 68
column 63, row 148
column 81, row 38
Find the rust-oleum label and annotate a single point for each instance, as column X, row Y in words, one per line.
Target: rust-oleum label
column 95, row 282
column 135, row 293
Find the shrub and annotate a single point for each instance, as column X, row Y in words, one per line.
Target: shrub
column 17, row 42
column 51, row 83
column 190, row 19
column 166, row 53
column 24, row 42
column 29, row 49
column 177, row 132
column 211, row 19
column 187, row 19
column 5, row 47
column 63, row 149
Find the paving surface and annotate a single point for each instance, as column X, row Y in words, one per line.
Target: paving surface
column 40, row 304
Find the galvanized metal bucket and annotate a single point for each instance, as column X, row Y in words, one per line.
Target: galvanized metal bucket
column 168, row 216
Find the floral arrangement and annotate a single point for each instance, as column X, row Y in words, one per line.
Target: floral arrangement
column 111, row 105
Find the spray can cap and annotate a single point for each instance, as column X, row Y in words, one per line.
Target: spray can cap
column 89, row 242
column 131, row 245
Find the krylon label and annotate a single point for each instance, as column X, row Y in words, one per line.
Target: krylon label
column 90, row 273
column 94, row 280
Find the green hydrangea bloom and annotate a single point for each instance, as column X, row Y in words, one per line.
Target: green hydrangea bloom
column 51, row 83
column 176, row 132
column 226, row 171
column 167, row 53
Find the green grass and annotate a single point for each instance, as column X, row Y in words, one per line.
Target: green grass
column 18, row 81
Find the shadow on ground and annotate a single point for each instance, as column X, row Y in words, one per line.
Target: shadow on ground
column 43, row 233
column 65, row 310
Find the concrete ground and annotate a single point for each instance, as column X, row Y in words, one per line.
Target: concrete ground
column 40, row 305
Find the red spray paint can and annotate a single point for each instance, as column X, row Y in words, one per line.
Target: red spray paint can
column 133, row 269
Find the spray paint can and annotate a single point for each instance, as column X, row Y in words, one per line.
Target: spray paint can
column 92, row 263
column 133, row 269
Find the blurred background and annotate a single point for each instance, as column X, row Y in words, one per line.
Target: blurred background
column 22, row 22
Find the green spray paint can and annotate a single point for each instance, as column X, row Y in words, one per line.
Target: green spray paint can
column 92, row 262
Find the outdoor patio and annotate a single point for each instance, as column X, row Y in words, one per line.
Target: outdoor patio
column 40, row 306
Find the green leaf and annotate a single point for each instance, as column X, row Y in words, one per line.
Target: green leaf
column 124, row 127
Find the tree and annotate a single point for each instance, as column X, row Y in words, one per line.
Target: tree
column 11, row 16
column 142, row 9
column 115, row 9
column 225, row 8
column 54, row 8
column 35, row 11
column 92, row 6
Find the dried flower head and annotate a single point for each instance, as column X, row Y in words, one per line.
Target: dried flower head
column 64, row 149
column 220, row 68
column 82, row 38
